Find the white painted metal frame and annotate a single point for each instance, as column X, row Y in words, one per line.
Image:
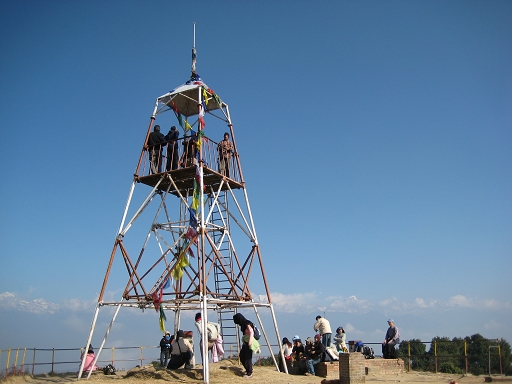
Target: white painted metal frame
column 240, row 216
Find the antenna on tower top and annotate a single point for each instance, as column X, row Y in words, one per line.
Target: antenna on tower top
column 194, row 53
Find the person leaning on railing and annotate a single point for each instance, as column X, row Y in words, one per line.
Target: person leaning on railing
column 189, row 152
column 156, row 142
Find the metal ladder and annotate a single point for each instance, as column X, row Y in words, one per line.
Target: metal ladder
column 222, row 285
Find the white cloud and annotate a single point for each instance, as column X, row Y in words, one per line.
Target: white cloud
column 422, row 303
column 12, row 301
column 305, row 303
column 298, row 302
column 349, row 304
column 460, row 301
column 9, row 300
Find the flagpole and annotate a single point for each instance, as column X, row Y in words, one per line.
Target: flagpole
column 194, row 53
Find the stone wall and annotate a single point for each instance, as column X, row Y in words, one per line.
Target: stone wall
column 384, row 366
column 354, row 366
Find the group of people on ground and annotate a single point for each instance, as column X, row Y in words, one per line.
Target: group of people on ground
column 158, row 141
column 176, row 352
column 305, row 357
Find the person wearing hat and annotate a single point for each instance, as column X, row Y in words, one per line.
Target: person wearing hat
column 315, row 356
column 340, row 340
column 165, row 349
column 172, row 149
column 89, row 359
column 156, row 142
column 392, row 338
column 181, row 352
column 297, row 351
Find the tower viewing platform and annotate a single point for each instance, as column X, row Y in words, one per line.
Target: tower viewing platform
column 182, row 177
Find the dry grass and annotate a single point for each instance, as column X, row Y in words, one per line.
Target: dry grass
column 228, row 372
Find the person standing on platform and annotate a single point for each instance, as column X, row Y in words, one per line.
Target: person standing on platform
column 225, row 149
column 156, row 142
column 172, row 149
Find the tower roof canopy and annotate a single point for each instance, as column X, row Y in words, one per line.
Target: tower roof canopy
column 186, row 98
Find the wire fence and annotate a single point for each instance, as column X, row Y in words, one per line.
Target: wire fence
column 38, row 360
column 23, row 361
column 443, row 356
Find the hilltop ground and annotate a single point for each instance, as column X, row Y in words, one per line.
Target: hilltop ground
column 228, row 372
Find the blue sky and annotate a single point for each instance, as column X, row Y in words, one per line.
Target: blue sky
column 375, row 139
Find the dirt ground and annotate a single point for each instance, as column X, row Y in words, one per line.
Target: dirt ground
column 227, row 372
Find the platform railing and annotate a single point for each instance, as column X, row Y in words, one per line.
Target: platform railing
column 209, row 154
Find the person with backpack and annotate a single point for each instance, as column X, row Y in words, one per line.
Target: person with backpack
column 249, row 343
column 181, row 352
column 214, row 337
column 165, row 349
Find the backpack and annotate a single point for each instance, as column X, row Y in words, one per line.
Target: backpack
column 358, row 347
column 109, row 370
column 257, row 333
column 368, row 353
column 212, row 331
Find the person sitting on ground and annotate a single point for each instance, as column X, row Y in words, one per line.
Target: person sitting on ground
column 297, row 351
column 340, row 340
column 392, row 338
column 89, row 359
column 287, row 352
column 181, row 352
column 303, row 365
column 316, row 355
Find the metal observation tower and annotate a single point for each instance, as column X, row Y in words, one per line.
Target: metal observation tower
column 188, row 243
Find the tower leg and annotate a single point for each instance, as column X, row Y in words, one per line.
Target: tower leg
column 96, row 357
column 93, row 325
column 278, row 339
